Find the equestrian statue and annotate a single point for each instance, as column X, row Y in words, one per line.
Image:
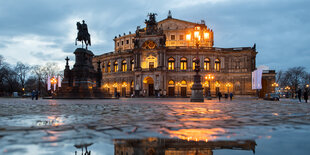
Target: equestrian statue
column 83, row 34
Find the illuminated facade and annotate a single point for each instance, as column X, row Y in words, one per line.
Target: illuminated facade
column 159, row 60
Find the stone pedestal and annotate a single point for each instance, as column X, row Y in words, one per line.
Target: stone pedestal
column 197, row 90
column 82, row 81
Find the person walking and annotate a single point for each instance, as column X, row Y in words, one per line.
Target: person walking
column 37, row 95
column 299, row 95
column 231, row 96
column 219, row 95
column 306, row 96
column 33, row 93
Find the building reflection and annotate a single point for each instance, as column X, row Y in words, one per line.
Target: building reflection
column 159, row 146
column 83, row 148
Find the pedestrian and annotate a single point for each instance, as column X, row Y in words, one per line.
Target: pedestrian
column 33, row 93
column 306, row 96
column 231, row 96
column 37, row 95
column 299, row 95
column 219, row 95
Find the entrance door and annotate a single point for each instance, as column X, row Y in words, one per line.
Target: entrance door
column 151, row 65
column 183, row 91
column 151, row 89
column 171, row 91
column 124, row 91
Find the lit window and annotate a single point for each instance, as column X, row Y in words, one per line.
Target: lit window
column 194, row 63
column 171, row 82
column 206, row 64
column 172, row 37
column 132, row 64
column 183, row 82
column 115, row 66
column 103, row 67
column 171, row 63
column 109, row 67
column 183, row 63
column 206, row 35
column 124, row 66
column 217, row 64
column 188, row 37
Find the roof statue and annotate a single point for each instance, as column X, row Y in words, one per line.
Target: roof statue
column 83, row 34
column 151, row 24
column 169, row 14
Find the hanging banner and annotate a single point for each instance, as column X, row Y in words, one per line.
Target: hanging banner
column 259, row 76
column 48, row 82
column 55, row 84
column 257, row 79
column 59, row 81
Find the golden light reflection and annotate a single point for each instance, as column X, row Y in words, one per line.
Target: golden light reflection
column 206, row 119
column 197, row 134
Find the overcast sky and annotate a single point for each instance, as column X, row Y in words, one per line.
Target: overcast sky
column 40, row 31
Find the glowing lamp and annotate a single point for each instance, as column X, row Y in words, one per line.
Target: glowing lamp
column 53, row 81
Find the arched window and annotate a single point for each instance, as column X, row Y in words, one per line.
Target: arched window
column 103, row 69
column 109, row 67
column 132, row 63
column 194, row 63
column 115, row 66
column 206, row 64
column 124, row 66
column 171, row 63
column 183, row 63
column 217, row 64
column 171, row 82
column 183, row 82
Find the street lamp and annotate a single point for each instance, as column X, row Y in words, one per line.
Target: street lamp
column 178, row 84
column 197, row 90
column 209, row 77
column 287, row 88
column 53, row 82
column 228, row 85
column 275, row 85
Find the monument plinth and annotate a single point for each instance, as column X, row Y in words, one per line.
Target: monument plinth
column 82, row 81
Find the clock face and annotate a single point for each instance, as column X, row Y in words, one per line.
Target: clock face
column 149, row 44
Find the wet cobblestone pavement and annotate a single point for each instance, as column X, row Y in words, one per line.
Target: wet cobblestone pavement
column 63, row 126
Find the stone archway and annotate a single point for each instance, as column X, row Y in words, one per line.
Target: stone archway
column 148, row 86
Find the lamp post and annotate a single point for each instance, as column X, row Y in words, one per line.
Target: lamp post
column 178, row 87
column 209, row 77
column 197, row 90
column 287, row 88
column 53, row 82
column 228, row 85
column 275, row 85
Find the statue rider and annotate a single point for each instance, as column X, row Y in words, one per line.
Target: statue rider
column 84, row 28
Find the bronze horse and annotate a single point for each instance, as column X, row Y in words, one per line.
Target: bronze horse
column 83, row 34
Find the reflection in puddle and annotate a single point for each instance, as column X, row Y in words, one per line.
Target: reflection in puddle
column 155, row 146
column 197, row 134
column 83, row 147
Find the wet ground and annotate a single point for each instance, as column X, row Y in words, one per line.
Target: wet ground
column 154, row 126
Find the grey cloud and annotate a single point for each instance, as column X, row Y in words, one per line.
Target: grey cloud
column 281, row 28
